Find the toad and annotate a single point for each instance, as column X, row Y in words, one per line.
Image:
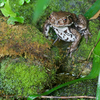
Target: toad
column 68, row 28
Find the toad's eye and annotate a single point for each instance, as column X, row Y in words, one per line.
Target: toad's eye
column 65, row 19
column 50, row 17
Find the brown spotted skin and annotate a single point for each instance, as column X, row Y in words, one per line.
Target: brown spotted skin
column 62, row 22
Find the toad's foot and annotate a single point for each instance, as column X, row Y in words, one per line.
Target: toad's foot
column 86, row 34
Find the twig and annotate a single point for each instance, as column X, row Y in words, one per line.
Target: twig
column 60, row 97
column 89, row 53
column 69, row 97
column 92, row 49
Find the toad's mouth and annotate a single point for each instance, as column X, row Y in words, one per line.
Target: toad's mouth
column 63, row 25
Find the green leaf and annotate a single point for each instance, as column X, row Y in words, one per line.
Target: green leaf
column 97, row 48
column 12, row 20
column 27, row 1
column 2, row 4
column 31, row 97
column 40, row 7
column 7, row 10
column 98, row 88
column 97, row 63
column 93, row 10
column 21, row 2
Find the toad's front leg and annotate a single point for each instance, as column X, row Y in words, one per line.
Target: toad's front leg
column 46, row 28
column 75, row 43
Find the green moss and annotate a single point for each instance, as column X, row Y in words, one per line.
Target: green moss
column 36, row 36
column 55, row 53
column 21, row 78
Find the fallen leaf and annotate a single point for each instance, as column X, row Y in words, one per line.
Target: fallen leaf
column 96, row 15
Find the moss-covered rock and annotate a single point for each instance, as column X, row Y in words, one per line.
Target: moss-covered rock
column 21, row 77
column 22, row 39
column 27, row 42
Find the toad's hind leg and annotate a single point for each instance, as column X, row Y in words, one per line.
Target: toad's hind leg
column 75, row 43
column 82, row 24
